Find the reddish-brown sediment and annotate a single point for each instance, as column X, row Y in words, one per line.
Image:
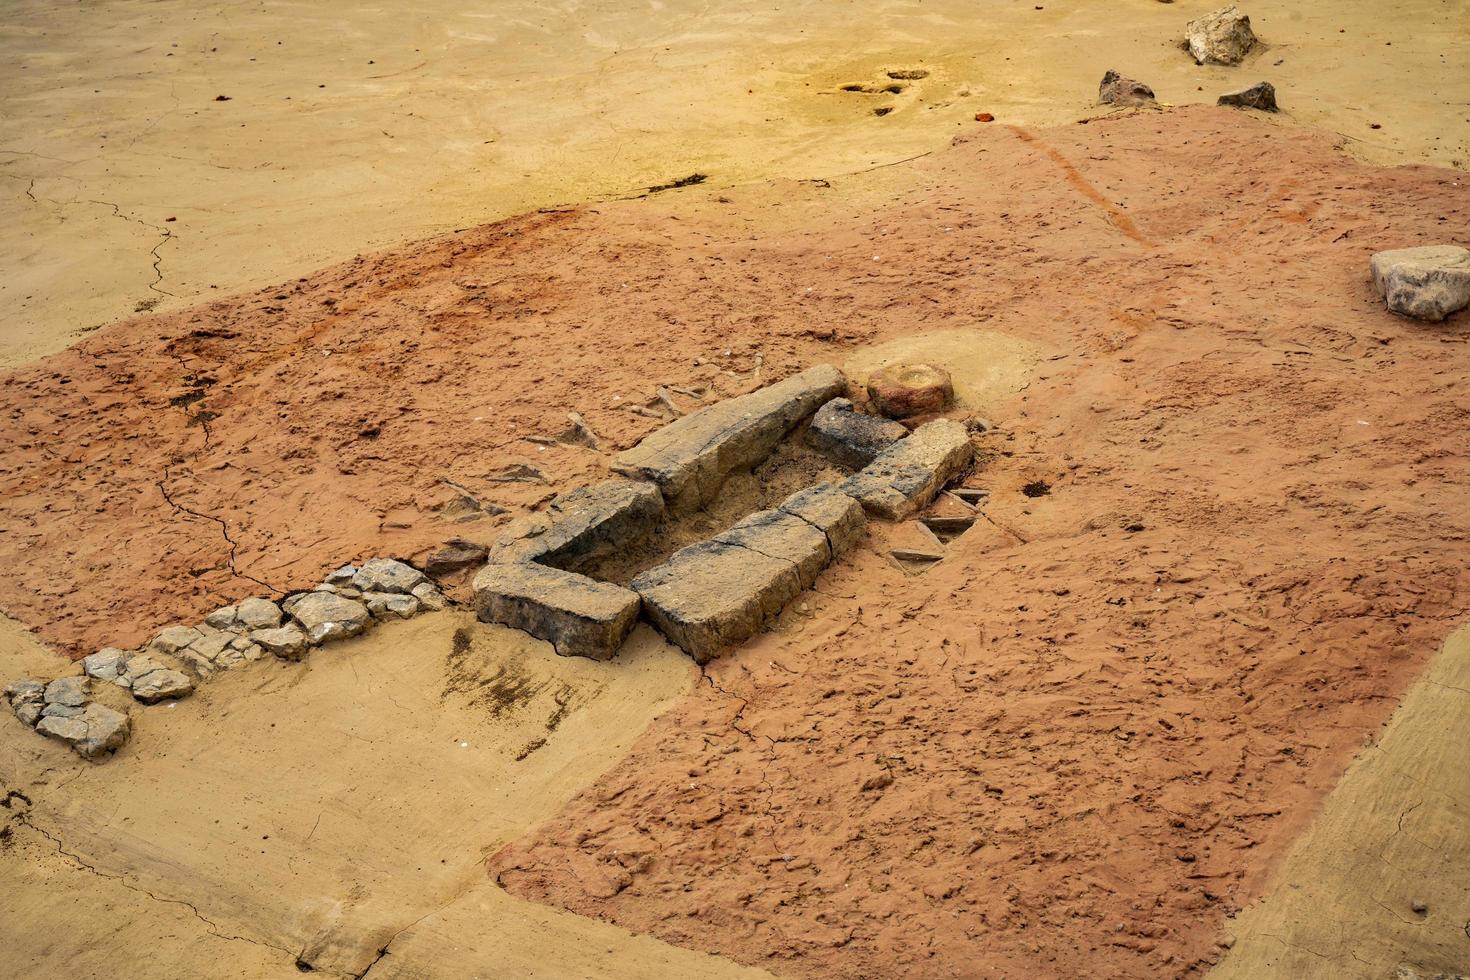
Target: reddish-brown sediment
column 1068, row 750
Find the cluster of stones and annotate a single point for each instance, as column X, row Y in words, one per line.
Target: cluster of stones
column 350, row 600
column 718, row 592
column 1223, row 37
column 64, row 710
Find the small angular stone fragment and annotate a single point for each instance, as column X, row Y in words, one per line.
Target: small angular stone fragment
column 1261, row 95
column 174, row 638
column 28, row 712
column 222, row 618
column 430, row 599
column 1117, row 89
column 903, row 391
column 71, row 691
column 258, row 614
column 387, row 575
column 106, row 664
column 1427, row 283
column 456, row 554
column 580, row 617
column 689, row 459
column 161, row 684
column 287, row 642
column 849, row 437
column 326, row 617
column 344, row 574
column 1220, row 38
column 95, row 732
column 209, row 646
column 584, row 525
column 25, row 691
column 908, row 475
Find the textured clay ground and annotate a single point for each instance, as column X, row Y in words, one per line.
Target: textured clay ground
column 1070, row 749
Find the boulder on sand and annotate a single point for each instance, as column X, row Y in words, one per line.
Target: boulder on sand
column 1427, row 283
column 1220, row 38
column 1118, row 89
column 1261, row 95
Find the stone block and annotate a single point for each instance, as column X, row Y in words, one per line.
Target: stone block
column 840, row 517
column 94, row 732
column 326, row 617
column 907, row 476
column 850, row 437
column 777, row 534
column 385, row 575
column 577, row 615
column 1220, row 38
column 690, row 458
column 1427, row 283
column 582, row 526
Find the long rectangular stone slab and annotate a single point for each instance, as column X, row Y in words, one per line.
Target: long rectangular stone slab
column 581, row 526
column 905, row 477
column 577, row 615
column 690, row 458
column 720, row 592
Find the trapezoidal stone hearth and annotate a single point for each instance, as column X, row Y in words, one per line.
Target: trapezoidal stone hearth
column 719, row 592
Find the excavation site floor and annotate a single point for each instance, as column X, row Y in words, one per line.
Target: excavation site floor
column 1225, row 536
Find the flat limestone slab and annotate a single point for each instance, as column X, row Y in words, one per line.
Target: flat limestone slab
column 722, row 591
column 583, row 525
column 1427, row 283
column 907, row 476
column 690, row 458
column 577, row 615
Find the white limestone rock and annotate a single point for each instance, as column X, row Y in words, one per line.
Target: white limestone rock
column 1220, row 38
column 1427, row 283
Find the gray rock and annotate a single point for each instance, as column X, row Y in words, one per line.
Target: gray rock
column 430, row 599
column 94, row 733
column 1117, row 89
column 326, row 617
column 68, row 690
column 1261, row 95
column 1220, row 38
column 251, row 652
column 289, row 603
column 25, row 691
column 139, row 665
column 345, row 591
column 584, row 525
column 387, row 575
column 287, row 642
column 1427, row 283
column 456, row 554
column 28, row 712
column 777, row 534
column 258, row 614
column 106, row 664
column 689, row 459
column 162, row 684
column 222, row 618
column 386, row 605
column 840, row 517
column 908, row 475
column 209, row 647
column 580, row 617
column 61, row 711
column 329, row 587
column 174, row 638
column 712, row 595
column 202, row 667
column 344, row 574
column 849, row 437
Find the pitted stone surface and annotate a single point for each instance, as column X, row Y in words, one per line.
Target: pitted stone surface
column 690, row 458
column 326, row 617
column 1220, row 38
column 1426, row 283
column 584, row 525
column 850, row 437
column 577, row 615
column 908, row 475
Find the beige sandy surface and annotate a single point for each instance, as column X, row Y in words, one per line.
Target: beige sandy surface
column 318, row 811
column 1381, row 880
column 350, row 125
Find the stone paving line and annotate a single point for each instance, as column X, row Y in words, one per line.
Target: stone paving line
column 704, row 598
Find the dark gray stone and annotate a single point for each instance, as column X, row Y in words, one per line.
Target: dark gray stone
column 577, row 615
column 689, row 459
column 1261, row 95
column 849, row 437
column 583, row 526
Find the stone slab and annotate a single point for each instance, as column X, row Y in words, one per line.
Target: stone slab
column 689, row 459
column 577, row 615
column 850, row 437
column 905, row 477
column 1427, row 283
column 777, row 534
column 840, row 517
column 584, row 525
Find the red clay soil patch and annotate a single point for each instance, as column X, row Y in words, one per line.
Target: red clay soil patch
column 1068, row 750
